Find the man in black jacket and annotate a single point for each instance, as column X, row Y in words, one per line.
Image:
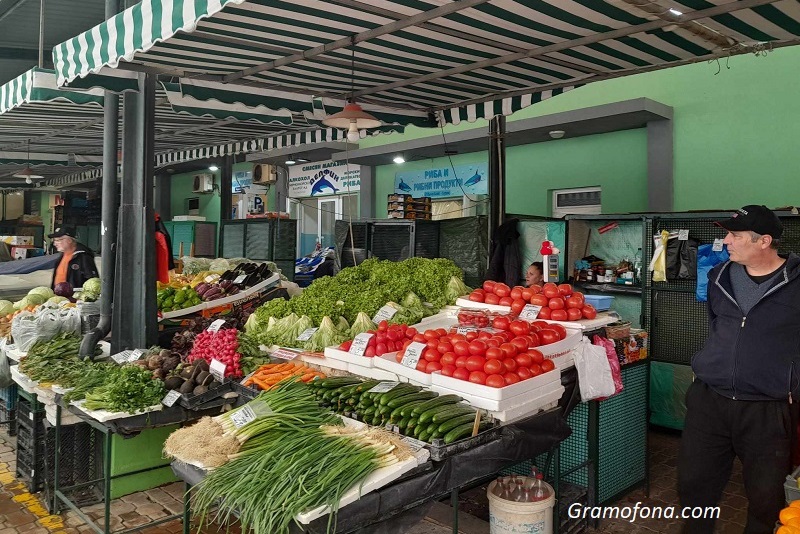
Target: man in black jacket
column 744, row 400
column 77, row 262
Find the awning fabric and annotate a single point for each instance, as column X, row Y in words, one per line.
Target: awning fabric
column 448, row 57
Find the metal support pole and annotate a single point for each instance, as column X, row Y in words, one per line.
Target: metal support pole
column 454, row 505
column 41, row 34
column 187, row 508
column 225, row 188
column 497, row 174
column 107, row 482
column 134, row 318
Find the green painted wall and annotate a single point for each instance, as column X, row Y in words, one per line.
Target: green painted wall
column 181, row 189
column 733, row 129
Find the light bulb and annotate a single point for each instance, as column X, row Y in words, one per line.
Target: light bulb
column 399, row 159
column 213, row 168
column 353, row 135
column 28, row 180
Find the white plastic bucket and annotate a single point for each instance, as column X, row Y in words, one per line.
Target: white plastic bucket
column 506, row 517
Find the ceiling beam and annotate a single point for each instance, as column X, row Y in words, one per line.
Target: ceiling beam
column 566, row 45
column 424, row 16
column 13, row 7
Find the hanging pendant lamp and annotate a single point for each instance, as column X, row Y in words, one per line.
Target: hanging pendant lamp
column 352, row 118
column 28, row 173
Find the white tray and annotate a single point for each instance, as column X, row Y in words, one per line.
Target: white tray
column 372, row 372
column 362, row 361
column 22, row 380
column 389, row 363
column 602, row 319
column 542, row 399
column 466, row 303
column 561, row 351
column 324, row 362
column 104, row 415
column 271, row 281
column 14, row 354
column 497, row 394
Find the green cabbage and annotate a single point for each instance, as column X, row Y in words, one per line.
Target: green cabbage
column 6, row 307
column 326, row 336
column 92, row 285
column 45, row 292
column 57, row 300
column 35, row 299
column 362, row 324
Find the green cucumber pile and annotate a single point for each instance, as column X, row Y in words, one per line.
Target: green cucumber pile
column 423, row 415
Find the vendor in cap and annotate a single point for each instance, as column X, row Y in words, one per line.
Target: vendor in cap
column 745, row 398
column 77, row 262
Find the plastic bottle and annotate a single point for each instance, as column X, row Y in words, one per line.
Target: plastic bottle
column 637, row 266
column 539, row 492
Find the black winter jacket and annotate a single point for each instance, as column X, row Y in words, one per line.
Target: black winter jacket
column 756, row 357
column 81, row 267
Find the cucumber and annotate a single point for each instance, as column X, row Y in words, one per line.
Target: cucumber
column 403, row 424
column 419, row 429
column 369, row 411
column 424, row 436
column 428, row 415
column 438, row 401
column 405, row 399
column 452, row 423
column 452, row 411
column 385, row 410
column 412, row 423
column 431, row 428
column 398, row 391
column 406, row 409
column 366, row 400
column 366, row 385
column 328, row 395
column 337, row 381
column 458, row 432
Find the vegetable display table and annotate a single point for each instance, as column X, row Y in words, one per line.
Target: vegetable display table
column 396, row 507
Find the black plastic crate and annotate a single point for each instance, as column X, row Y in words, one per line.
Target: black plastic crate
column 8, row 417
column 27, row 415
column 81, row 461
column 571, row 494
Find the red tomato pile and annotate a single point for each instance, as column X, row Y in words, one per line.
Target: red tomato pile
column 493, row 359
column 221, row 346
column 558, row 302
column 387, row 338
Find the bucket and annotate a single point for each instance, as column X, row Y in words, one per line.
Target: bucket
column 506, row 517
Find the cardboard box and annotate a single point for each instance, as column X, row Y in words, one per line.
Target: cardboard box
column 632, row 349
column 408, row 206
column 415, row 215
column 409, row 198
column 17, row 240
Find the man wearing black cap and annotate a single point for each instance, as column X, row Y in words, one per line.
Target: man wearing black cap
column 77, row 262
column 744, row 400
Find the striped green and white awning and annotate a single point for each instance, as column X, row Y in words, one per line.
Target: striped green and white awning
column 461, row 59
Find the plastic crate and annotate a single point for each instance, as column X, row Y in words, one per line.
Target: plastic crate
column 790, row 486
column 600, row 302
column 8, row 417
column 81, row 460
column 27, row 415
column 9, row 396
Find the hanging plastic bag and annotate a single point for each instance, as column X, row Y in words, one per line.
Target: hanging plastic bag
column 5, row 367
column 681, row 259
column 707, row 258
column 658, row 265
column 613, row 361
column 594, row 372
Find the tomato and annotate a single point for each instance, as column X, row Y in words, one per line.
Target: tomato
column 461, row 348
column 523, row 359
column 399, row 355
column 589, row 312
column 381, row 349
column 411, row 332
column 471, row 336
column 536, row 369
column 475, row 363
column 550, row 290
column 477, row 377
column 461, row 362
column 506, row 301
column 494, row 353
column 433, row 366
column 511, row 378
column 548, row 365
column 574, row 314
column 565, row 290
column 519, row 327
column 536, row 289
column 527, row 293
column 432, row 343
column 370, row 352
column 448, row 370
column 461, row 374
column 444, row 346
column 509, row 350
column 493, row 367
column 501, row 323
column 481, row 321
column 457, row 337
column 516, row 292
column 534, row 340
column 431, row 355
column 556, row 303
column 373, row 341
column 495, row 381
column 562, row 332
column 507, row 336
column 536, row 356
column 483, row 336
column 522, row 343
column 448, row 358
column 491, row 298
column 540, row 324
column 383, row 326
column 575, row 301
column 494, row 341
column 548, row 336
column 488, row 286
column 517, row 305
column 539, row 300
column 559, row 315
column 430, row 334
column 476, row 297
column 544, row 313
column 421, row 365
column 441, row 332
column 510, row 364
column 502, row 290
column 523, row 373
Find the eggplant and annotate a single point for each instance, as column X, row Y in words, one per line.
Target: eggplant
column 262, row 270
column 201, row 288
column 226, row 285
column 233, row 290
column 211, row 293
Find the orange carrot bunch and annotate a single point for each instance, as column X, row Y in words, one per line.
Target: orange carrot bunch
column 268, row 375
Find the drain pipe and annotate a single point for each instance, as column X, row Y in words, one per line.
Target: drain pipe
column 108, row 223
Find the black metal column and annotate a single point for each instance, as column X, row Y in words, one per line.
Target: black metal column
column 163, row 196
column 135, row 322
column 497, row 174
column 225, row 189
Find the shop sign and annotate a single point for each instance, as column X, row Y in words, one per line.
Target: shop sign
column 444, row 182
column 241, row 181
column 323, row 178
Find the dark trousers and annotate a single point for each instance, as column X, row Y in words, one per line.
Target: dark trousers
column 717, row 429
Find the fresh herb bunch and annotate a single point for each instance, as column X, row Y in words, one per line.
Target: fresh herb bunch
column 127, row 389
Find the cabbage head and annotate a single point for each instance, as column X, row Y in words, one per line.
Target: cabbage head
column 6, row 307
column 45, row 292
column 92, row 285
column 57, row 299
column 35, row 299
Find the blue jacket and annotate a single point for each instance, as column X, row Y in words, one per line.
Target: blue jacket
column 756, row 357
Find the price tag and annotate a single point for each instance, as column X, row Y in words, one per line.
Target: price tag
column 717, row 247
column 465, row 329
column 127, row 356
column 285, row 354
column 384, row 314
column 243, row 416
column 413, row 444
column 306, row 334
column 489, row 329
column 239, row 279
column 383, row 387
column 683, row 235
column 530, row 312
column 210, row 278
column 413, row 354
column 360, row 343
column 171, row 398
column 217, row 369
column 215, row 326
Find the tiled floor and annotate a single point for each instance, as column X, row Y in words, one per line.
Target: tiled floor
column 21, row 512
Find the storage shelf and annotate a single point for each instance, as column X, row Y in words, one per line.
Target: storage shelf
column 610, row 288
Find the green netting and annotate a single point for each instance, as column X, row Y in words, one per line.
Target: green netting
column 668, row 385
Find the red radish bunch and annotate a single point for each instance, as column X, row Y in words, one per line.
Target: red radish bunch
column 494, row 359
column 558, row 302
column 221, row 346
column 387, row 338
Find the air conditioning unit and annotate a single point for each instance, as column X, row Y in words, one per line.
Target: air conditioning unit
column 264, row 174
column 203, row 183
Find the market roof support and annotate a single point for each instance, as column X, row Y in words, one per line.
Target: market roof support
column 134, row 319
column 497, row 174
column 226, row 188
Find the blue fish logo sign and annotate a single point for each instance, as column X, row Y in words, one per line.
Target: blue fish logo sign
column 323, row 181
column 403, row 186
column 474, row 179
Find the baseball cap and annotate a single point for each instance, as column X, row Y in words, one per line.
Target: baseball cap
column 754, row 218
column 62, row 232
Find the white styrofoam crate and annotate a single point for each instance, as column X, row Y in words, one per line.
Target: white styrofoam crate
column 444, row 319
column 561, row 351
column 466, row 303
column 335, row 354
column 22, row 380
column 389, row 363
column 67, row 418
column 331, row 363
column 497, row 394
column 543, row 399
column 373, row 372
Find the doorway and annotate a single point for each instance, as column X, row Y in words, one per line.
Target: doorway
column 316, row 219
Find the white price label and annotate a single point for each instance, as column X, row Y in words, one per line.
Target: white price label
column 383, row 387
column 683, row 235
column 210, row 278
column 465, row 329
column 717, row 247
column 217, row 369
column 171, row 398
column 490, row 330
column 360, row 343
column 285, row 354
column 215, row 326
column 239, row 279
column 306, row 334
column 127, row 356
column 384, row 314
column 243, row 416
column 530, row 312
column 413, row 354
column 413, row 444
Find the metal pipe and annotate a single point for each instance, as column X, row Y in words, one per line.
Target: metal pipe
column 41, row 34
column 108, row 224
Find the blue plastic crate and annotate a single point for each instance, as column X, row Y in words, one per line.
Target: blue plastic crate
column 600, row 302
